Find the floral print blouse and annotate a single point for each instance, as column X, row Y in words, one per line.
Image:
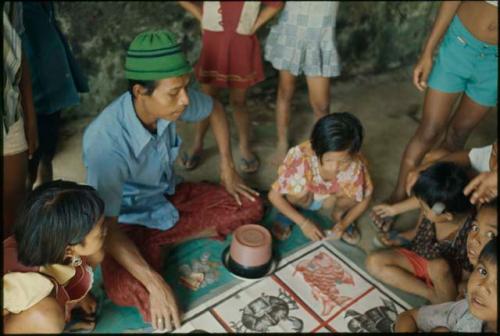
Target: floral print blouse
column 300, row 171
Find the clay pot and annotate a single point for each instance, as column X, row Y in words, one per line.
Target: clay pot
column 250, row 254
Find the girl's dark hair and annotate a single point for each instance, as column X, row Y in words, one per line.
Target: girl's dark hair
column 490, row 252
column 444, row 182
column 337, row 132
column 149, row 85
column 55, row 215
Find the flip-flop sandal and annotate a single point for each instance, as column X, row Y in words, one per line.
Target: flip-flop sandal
column 246, row 164
column 393, row 235
column 385, row 223
column 352, row 235
column 194, row 159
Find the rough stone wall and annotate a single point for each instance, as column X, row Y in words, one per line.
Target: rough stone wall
column 372, row 37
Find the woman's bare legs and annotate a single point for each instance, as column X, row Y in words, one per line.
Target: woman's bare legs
column 286, row 88
column 201, row 131
column 237, row 98
column 468, row 115
column 15, row 172
column 437, row 109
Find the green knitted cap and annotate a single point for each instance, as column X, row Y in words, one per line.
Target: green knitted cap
column 155, row 55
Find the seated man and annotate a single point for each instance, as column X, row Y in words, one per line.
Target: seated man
column 129, row 152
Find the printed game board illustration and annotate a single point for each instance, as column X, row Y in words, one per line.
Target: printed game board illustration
column 315, row 290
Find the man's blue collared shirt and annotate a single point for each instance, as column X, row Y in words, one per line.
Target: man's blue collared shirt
column 132, row 168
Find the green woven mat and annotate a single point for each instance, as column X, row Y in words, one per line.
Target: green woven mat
column 116, row 319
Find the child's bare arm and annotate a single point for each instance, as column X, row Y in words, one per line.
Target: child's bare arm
column 407, row 321
column 191, row 8
column 283, row 206
column 354, row 213
column 384, row 210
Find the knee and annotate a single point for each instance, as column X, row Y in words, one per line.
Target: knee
column 47, row 316
column 438, row 269
column 285, row 93
column 237, row 102
column 374, row 263
column 320, row 108
column 428, row 133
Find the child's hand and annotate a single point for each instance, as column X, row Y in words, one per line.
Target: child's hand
column 384, row 210
column 337, row 232
column 311, row 231
column 421, row 72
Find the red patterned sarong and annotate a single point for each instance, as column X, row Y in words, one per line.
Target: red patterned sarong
column 201, row 206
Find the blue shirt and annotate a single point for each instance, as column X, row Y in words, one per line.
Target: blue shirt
column 132, row 168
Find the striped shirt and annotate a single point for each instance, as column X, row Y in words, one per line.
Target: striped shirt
column 12, row 54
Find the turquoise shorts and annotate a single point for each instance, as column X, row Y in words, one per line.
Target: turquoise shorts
column 466, row 64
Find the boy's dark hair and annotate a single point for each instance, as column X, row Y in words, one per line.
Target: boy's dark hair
column 337, row 132
column 490, row 252
column 444, row 182
column 149, row 85
column 55, row 215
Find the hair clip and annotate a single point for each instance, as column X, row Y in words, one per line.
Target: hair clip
column 438, row 208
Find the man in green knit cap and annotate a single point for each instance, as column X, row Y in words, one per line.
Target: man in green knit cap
column 129, row 152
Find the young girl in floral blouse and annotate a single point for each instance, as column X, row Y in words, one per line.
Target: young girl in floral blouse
column 328, row 171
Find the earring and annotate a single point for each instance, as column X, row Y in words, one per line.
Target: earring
column 76, row 261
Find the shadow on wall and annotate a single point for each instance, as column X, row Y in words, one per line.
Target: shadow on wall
column 372, row 37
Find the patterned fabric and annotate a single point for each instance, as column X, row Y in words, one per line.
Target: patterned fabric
column 454, row 251
column 25, row 286
column 303, row 40
column 455, row 316
column 12, row 55
column 202, row 206
column 300, row 172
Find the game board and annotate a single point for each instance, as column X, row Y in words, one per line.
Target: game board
column 316, row 289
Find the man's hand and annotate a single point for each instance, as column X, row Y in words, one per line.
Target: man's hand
column 163, row 306
column 485, row 187
column 235, row 185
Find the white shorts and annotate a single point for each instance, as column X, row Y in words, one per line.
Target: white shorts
column 14, row 142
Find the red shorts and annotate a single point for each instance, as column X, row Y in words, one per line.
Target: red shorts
column 419, row 265
column 201, row 206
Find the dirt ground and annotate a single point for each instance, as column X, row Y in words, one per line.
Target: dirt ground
column 388, row 105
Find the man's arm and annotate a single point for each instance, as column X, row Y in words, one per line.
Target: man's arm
column 162, row 300
column 229, row 177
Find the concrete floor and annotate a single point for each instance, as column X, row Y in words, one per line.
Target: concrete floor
column 388, row 106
